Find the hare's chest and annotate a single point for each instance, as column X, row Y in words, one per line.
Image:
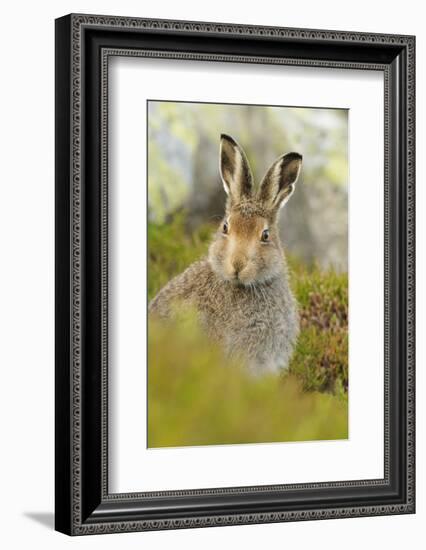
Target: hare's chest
column 264, row 330
column 253, row 321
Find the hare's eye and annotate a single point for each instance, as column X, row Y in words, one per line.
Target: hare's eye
column 265, row 235
column 225, row 228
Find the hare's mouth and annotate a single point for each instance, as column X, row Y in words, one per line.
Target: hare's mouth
column 239, row 280
column 236, row 281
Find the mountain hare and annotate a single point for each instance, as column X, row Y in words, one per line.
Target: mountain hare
column 241, row 289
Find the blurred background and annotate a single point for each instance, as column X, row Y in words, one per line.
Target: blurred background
column 184, row 176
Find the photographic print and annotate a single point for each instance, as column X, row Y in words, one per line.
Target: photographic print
column 247, row 273
column 234, row 274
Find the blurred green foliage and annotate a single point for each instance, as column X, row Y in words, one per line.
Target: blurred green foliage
column 195, row 397
column 172, row 250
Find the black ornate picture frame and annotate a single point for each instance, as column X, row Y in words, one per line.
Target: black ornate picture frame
column 84, row 43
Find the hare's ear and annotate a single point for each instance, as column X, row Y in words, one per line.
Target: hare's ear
column 279, row 182
column 234, row 169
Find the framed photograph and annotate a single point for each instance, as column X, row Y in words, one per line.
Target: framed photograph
column 234, row 274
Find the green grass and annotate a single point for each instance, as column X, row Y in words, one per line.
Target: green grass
column 195, row 397
column 172, row 250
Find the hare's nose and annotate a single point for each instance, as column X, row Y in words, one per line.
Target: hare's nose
column 238, row 266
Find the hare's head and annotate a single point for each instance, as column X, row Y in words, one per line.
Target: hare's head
column 247, row 248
